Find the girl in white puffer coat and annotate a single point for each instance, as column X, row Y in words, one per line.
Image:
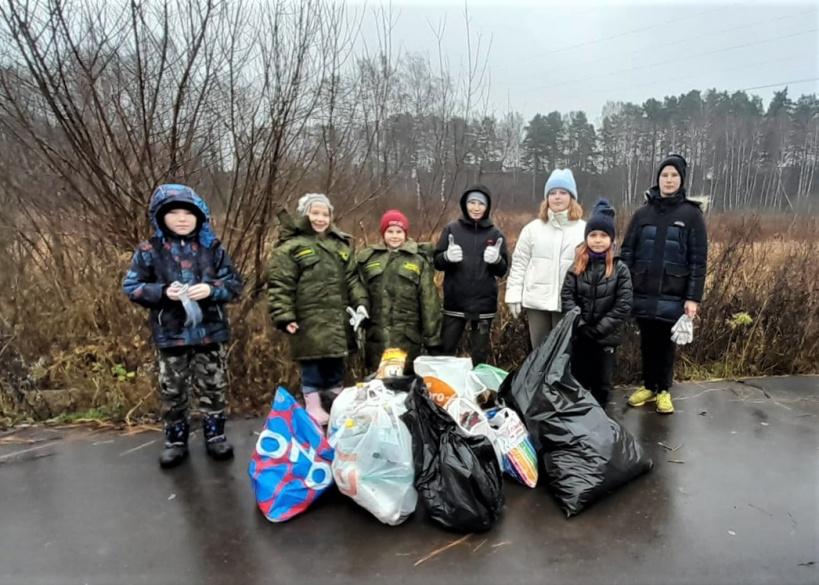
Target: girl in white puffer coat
column 543, row 254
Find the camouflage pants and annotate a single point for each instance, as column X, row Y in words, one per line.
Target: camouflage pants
column 198, row 368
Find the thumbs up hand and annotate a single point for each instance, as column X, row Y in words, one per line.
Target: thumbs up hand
column 454, row 253
column 491, row 255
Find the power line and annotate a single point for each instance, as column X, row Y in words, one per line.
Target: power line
column 687, row 39
column 668, row 61
column 766, row 86
column 780, row 84
column 627, row 33
column 789, row 58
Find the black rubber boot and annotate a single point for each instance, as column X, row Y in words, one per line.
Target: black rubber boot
column 213, row 427
column 176, row 444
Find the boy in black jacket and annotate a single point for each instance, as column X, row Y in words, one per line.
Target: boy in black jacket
column 472, row 254
column 666, row 250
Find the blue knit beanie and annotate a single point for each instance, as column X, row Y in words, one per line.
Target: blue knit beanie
column 602, row 218
column 561, row 179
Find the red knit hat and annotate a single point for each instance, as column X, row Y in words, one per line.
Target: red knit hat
column 394, row 217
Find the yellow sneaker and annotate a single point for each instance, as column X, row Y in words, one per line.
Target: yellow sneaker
column 664, row 404
column 640, row 396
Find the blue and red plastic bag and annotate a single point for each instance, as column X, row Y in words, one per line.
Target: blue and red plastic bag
column 291, row 464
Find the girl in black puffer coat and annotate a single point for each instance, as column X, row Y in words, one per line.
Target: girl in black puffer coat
column 600, row 285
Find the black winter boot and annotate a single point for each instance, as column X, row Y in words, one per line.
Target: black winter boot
column 213, row 426
column 176, row 444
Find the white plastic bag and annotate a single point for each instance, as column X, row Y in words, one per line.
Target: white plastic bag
column 444, row 376
column 343, row 405
column 373, row 455
column 512, row 438
column 473, row 421
column 351, row 398
column 484, row 381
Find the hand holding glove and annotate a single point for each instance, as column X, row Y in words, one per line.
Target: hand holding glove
column 454, row 253
column 193, row 312
column 491, row 255
column 197, row 292
column 172, row 290
column 357, row 316
column 514, row 309
column 683, row 330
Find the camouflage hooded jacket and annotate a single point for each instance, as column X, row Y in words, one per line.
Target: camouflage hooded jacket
column 198, row 258
column 312, row 280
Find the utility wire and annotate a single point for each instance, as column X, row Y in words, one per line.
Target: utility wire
column 781, row 83
column 674, row 20
column 668, row 61
column 789, row 58
column 687, row 40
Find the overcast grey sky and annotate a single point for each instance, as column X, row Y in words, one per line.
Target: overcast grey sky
column 565, row 56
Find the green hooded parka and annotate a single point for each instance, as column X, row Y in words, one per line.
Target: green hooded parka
column 312, row 280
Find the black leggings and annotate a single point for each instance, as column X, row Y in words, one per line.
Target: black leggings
column 593, row 366
column 479, row 337
column 657, row 352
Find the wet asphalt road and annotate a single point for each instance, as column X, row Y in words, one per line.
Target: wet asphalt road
column 736, row 501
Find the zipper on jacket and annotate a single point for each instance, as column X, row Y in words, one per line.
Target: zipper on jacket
column 475, row 247
column 389, row 324
column 559, row 257
column 594, row 294
column 159, row 317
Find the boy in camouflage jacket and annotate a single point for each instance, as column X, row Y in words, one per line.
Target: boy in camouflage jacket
column 406, row 311
column 184, row 259
column 313, row 286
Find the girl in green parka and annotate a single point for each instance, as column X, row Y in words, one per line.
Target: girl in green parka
column 313, row 286
column 406, row 311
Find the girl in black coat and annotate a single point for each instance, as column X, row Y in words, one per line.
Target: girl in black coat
column 666, row 248
column 600, row 285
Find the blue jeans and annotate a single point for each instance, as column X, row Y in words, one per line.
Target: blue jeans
column 321, row 374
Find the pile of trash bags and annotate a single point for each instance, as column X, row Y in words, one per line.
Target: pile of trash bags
column 444, row 439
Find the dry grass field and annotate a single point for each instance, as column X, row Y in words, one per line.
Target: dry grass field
column 75, row 348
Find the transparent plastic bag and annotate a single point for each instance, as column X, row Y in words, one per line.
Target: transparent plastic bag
column 444, row 376
column 483, row 382
column 373, row 462
column 512, row 438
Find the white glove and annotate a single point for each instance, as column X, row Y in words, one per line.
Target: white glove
column 193, row 312
column 454, row 253
column 357, row 316
column 514, row 309
column 491, row 255
column 683, row 330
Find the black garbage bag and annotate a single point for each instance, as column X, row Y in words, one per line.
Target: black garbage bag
column 585, row 454
column 457, row 476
